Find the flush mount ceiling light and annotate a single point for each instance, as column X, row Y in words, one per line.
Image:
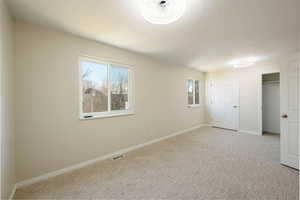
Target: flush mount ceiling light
column 244, row 62
column 162, row 11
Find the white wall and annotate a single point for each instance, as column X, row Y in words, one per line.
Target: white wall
column 7, row 102
column 250, row 93
column 271, row 107
column 50, row 135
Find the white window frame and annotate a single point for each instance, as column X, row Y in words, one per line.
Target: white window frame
column 109, row 112
column 194, row 93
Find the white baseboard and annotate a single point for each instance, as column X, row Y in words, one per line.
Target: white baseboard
column 13, row 192
column 105, row 157
column 249, row 132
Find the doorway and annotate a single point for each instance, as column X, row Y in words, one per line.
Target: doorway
column 271, row 103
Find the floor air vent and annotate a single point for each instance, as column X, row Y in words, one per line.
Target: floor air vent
column 118, row 157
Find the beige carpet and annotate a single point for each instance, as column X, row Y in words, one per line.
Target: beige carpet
column 208, row 164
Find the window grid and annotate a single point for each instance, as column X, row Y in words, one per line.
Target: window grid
column 109, row 112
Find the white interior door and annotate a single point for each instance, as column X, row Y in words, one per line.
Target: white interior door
column 224, row 102
column 290, row 113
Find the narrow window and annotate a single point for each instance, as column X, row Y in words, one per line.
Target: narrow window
column 105, row 89
column 190, row 92
column 197, row 94
column 194, row 88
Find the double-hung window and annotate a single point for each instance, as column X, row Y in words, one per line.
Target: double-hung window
column 106, row 89
column 194, row 87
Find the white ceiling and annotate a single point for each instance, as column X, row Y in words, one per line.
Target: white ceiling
column 209, row 35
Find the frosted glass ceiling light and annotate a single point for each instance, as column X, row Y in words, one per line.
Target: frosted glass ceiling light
column 244, row 62
column 162, row 12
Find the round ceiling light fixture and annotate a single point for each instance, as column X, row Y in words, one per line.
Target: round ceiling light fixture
column 162, row 11
column 244, row 62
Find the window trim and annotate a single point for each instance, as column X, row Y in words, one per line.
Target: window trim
column 108, row 113
column 194, row 93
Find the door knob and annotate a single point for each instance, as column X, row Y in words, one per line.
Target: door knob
column 284, row 116
column 234, row 106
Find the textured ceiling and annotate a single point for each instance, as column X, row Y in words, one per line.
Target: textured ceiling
column 209, row 35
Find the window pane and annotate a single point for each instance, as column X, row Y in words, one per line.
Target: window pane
column 197, row 99
column 119, row 88
column 94, row 87
column 190, row 92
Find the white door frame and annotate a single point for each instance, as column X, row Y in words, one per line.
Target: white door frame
column 260, row 96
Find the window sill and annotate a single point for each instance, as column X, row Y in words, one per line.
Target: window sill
column 193, row 106
column 109, row 115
